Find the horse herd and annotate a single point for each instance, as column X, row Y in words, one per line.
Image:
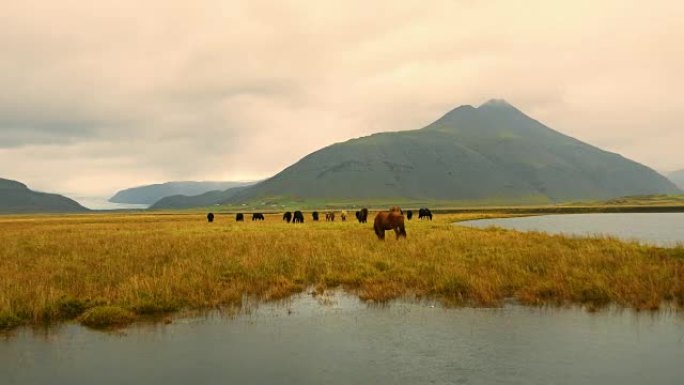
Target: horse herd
column 384, row 220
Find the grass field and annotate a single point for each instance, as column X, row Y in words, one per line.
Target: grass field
column 105, row 269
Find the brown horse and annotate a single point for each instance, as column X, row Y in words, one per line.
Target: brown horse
column 389, row 220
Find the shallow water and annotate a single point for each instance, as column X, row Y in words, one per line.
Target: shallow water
column 663, row 229
column 340, row 340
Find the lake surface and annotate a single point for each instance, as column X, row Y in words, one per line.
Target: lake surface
column 339, row 340
column 663, row 229
column 101, row 203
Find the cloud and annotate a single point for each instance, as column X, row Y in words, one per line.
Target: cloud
column 99, row 95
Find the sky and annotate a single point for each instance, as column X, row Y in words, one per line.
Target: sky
column 96, row 96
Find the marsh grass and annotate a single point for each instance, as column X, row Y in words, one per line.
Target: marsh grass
column 107, row 317
column 56, row 268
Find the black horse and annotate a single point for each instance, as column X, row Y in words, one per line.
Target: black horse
column 362, row 215
column 314, row 215
column 239, row 217
column 210, row 217
column 298, row 217
column 409, row 214
column 287, row 217
column 425, row 213
column 257, row 217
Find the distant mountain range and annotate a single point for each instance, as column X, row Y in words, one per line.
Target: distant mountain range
column 493, row 152
column 150, row 194
column 17, row 198
column 677, row 177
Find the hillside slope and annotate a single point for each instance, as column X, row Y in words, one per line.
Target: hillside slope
column 16, row 198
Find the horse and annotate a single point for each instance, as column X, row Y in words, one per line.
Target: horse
column 287, row 217
column 298, row 217
column 343, row 215
column 257, row 217
column 239, row 217
column 389, row 220
column 362, row 215
column 409, row 214
column 314, row 215
column 424, row 213
column 210, row 217
column 330, row 217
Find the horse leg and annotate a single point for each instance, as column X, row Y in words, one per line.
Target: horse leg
column 400, row 231
column 379, row 232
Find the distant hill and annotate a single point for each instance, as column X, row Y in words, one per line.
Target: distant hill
column 17, row 198
column 210, row 198
column 493, row 153
column 150, row 194
column 677, row 177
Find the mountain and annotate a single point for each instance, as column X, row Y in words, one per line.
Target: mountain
column 210, row 198
column 16, row 198
column 150, row 194
column 677, row 177
column 490, row 153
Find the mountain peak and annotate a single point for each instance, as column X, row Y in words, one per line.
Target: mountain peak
column 498, row 103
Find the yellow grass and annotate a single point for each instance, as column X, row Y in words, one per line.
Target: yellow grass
column 58, row 267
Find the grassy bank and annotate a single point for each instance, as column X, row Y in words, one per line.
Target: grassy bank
column 90, row 267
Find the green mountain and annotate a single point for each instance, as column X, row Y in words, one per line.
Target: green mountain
column 150, row 194
column 677, row 177
column 492, row 153
column 16, row 198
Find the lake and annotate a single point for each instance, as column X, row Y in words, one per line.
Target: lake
column 338, row 339
column 662, row 229
column 102, row 203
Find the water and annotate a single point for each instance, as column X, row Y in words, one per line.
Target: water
column 663, row 229
column 101, row 203
column 343, row 341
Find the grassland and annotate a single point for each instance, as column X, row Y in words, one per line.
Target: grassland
column 95, row 267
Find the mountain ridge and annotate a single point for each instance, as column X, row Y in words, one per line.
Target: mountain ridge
column 490, row 152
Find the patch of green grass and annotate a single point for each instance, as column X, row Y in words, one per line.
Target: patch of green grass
column 8, row 321
column 104, row 317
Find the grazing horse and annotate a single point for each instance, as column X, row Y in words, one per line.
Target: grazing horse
column 343, row 215
column 389, row 220
column 314, row 215
column 257, row 217
column 330, row 217
column 424, row 213
column 362, row 215
column 287, row 217
column 210, row 217
column 298, row 217
column 239, row 217
column 409, row 214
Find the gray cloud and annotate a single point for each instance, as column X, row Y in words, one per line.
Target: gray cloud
column 101, row 95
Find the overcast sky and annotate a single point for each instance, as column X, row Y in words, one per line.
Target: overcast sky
column 101, row 95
